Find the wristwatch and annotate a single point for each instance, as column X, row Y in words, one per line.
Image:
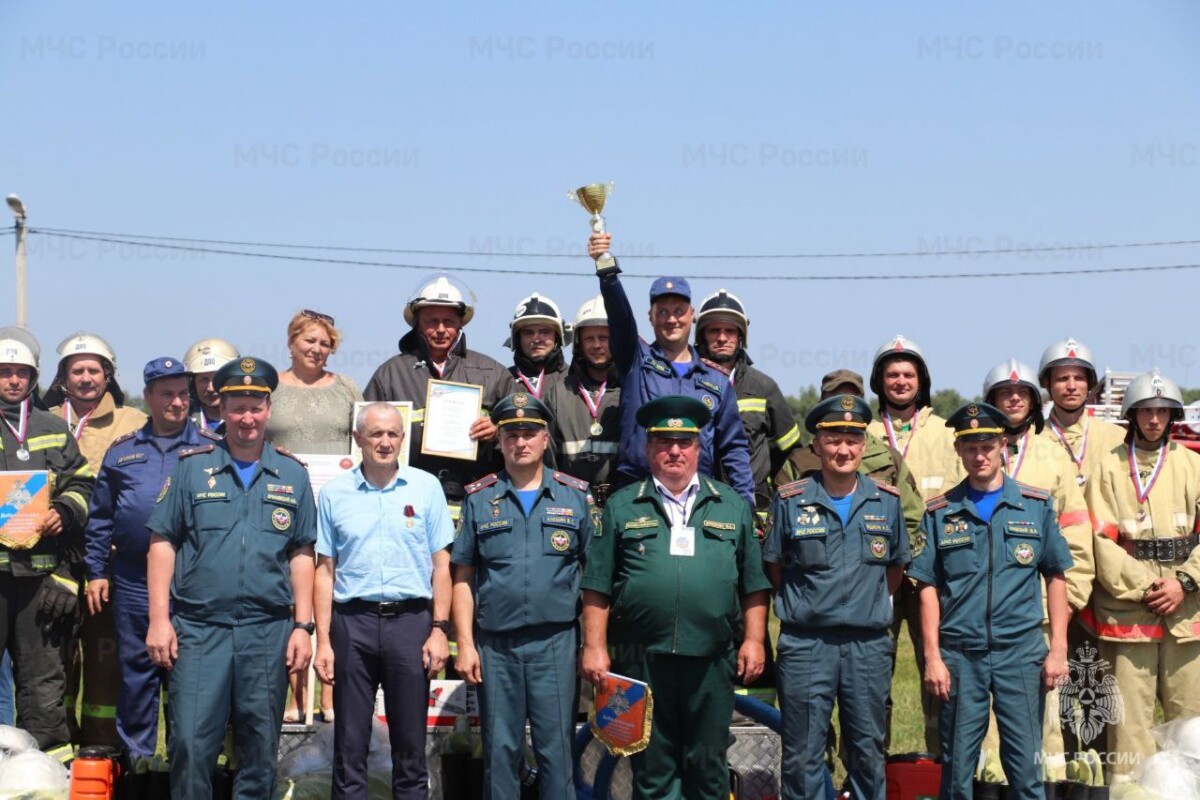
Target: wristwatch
column 1187, row 582
column 442, row 625
column 308, row 627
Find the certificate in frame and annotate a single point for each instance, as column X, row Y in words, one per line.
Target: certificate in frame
column 450, row 410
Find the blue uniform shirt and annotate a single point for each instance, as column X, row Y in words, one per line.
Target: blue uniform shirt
column 528, row 569
column 835, row 575
column 233, row 543
column 989, row 575
column 646, row 373
column 383, row 539
column 130, row 478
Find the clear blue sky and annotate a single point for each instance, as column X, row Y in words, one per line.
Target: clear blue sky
column 751, row 128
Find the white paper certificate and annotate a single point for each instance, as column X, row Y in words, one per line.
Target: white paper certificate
column 450, row 411
column 323, row 468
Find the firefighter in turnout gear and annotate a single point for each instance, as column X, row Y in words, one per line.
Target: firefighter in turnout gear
column 900, row 380
column 85, row 393
column 436, row 349
column 1067, row 372
column 1146, row 610
column 40, row 583
column 537, row 337
column 722, row 331
column 586, row 419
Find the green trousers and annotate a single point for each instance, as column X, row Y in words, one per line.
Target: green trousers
column 689, row 737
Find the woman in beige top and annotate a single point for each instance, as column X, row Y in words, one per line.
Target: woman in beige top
column 312, row 412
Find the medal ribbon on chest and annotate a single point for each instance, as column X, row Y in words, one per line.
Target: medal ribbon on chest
column 891, row 433
column 19, row 432
column 594, row 408
column 534, row 385
column 1014, row 468
column 1143, row 490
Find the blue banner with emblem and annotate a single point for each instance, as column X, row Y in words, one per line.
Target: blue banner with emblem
column 621, row 715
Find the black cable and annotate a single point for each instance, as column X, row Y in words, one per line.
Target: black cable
column 675, row 256
column 588, row 274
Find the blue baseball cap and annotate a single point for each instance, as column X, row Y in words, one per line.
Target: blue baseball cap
column 163, row 367
column 669, row 285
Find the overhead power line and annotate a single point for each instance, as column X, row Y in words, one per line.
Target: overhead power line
column 674, row 256
column 587, row 274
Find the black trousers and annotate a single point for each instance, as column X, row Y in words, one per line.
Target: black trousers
column 38, row 658
column 370, row 651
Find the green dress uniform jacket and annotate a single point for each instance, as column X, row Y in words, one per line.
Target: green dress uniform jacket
column 682, row 605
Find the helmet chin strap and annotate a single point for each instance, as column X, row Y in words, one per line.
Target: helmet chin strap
column 1019, row 428
column 902, row 406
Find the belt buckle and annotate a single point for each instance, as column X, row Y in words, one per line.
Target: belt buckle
column 1164, row 549
column 391, row 609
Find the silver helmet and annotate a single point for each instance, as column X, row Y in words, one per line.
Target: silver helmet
column 441, row 290
column 592, row 312
column 537, row 308
column 17, row 346
column 1067, row 353
column 83, row 343
column 209, row 355
column 901, row 347
column 86, row 344
column 723, row 304
column 1152, row 390
column 1015, row 373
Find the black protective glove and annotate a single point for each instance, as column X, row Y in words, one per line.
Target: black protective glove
column 58, row 601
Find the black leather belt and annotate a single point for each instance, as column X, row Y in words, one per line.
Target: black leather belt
column 389, row 609
column 1175, row 548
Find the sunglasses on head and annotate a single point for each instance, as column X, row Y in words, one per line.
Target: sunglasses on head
column 317, row 315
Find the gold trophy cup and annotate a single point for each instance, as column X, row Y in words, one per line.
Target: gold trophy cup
column 593, row 197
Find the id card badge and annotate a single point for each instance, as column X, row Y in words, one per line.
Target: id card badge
column 683, row 541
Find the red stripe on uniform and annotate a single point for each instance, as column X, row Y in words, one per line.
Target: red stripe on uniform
column 1107, row 529
column 1073, row 518
column 1088, row 618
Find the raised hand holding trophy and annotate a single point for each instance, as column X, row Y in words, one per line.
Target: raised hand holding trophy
column 593, row 197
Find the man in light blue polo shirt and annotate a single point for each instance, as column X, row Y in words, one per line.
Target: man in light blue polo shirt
column 383, row 538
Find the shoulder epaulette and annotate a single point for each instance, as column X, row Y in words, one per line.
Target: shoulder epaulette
column 571, row 480
column 207, row 434
column 292, row 456
column 482, row 483
column 934, row 503
column 124, row 438
column 887, row 487
column 192, row 451
column 1033, row 491
column 793, row 488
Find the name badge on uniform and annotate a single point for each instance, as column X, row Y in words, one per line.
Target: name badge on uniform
column 683, row 542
